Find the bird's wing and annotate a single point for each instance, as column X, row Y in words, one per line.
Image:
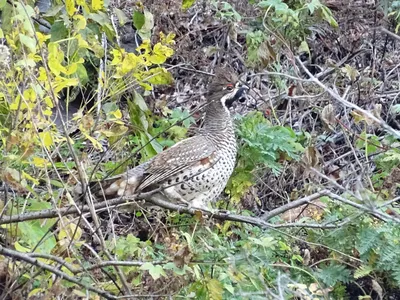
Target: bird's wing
column 183, row 155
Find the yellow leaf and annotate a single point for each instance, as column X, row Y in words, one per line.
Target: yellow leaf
column 21, row 248
column 36, row 291
column 30, row 95
column 39, row 162
column 29, row 177
column 48, row 102
column 215, row 289
column 47, row 112
column 97, row 4
column 70, row 7
column 61, row 83
column 81, row 42
column 71, row 69
column 80, row 22
column 117, row 114
column 96, row 143
column 16, row 103
column 56, row 57
column 42, row 37
column 117, row 56
column 46, row 138
column 145, row 47
column 129, row 63
column 70, row 230
column 358, row 117
column 167, row 40
column 42, row 74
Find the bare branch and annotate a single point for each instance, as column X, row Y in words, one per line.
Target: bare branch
column 340, row 99
column 299, row 202
column 33, row 261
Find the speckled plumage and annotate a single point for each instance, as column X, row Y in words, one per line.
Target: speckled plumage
column 195, row 170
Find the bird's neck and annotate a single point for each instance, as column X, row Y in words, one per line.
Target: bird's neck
column 217, row 120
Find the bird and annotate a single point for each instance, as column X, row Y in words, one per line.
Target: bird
column 195, row 170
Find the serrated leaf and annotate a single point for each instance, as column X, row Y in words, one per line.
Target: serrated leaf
column 332, row 274
column 363, row 271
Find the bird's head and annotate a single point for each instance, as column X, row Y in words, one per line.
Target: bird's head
column 226, row 87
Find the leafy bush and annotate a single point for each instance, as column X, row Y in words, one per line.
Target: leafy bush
column 261, row 145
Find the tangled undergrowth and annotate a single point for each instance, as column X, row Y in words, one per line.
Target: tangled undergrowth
column 91, row 88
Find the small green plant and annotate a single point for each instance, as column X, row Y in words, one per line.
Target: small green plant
column 261, row 145
column 284, row 23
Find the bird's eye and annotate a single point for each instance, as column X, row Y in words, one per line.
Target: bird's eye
column 229, row 87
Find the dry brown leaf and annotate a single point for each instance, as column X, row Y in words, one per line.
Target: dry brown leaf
column 311, row 157
column 183, row 256
column 328, row 117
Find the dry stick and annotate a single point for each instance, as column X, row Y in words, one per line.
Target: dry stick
column 340, row 99
column 371, row 210
column 32, row 260
column 293, row 204
column 152, row 198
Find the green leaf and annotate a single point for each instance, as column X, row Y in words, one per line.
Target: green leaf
column 6, row 18
column 35, row 232
column 122, row 18
column 139, row 101
column 2, row 3
column 304, row 47
column 363, row 271
column 82, row 74
column 138, row 19
column 100, row 17
column 332, row 274
column 145, row 29
column 155, row 271
column 54, row 10
column 314, row 4
column 368, row 238
column 187, row 3
column 28, row 42
column 58, row 31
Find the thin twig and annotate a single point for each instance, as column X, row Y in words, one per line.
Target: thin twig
column 33, row 261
